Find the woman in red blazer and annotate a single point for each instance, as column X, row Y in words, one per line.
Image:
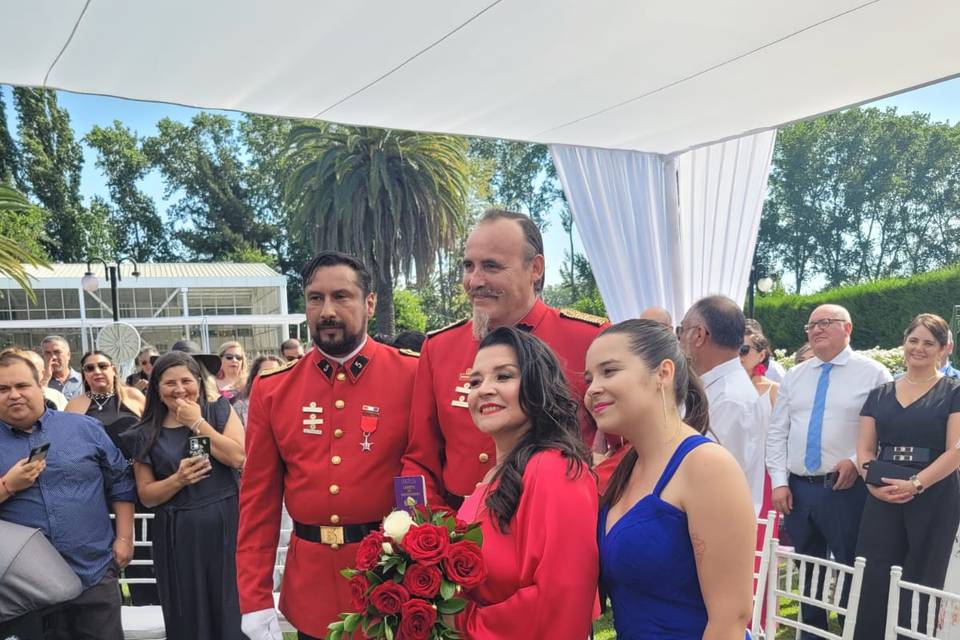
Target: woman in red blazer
column 538, row 505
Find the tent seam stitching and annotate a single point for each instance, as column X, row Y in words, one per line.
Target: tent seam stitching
column 66, row 44
column 410, row 59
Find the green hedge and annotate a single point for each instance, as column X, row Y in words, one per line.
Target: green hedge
column 881, row 310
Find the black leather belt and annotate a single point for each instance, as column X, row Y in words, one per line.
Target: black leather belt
column 333, row 535
column 897, row 453
column 825, row 480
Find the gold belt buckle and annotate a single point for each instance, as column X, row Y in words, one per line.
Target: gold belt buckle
column 331, row 535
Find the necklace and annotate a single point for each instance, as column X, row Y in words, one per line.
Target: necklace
column 907, row 378
column 100, row 399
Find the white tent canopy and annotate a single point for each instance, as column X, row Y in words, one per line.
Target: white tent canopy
column 627, row 74
column 652, row 108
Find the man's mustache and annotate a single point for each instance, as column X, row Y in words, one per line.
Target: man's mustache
column 320, row 326
column 484, row 292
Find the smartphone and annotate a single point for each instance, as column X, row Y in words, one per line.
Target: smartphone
column 39, row 453
column 199, row 446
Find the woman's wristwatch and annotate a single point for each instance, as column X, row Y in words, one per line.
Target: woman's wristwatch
column 917, row 485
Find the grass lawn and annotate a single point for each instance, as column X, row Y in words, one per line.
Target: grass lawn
column 603, row 628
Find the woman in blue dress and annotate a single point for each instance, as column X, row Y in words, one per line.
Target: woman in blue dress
column 676, row 528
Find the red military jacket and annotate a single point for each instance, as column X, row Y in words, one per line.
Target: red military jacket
column 305, row 446
column 445, row 446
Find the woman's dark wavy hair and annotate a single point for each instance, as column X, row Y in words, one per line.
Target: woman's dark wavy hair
column 83, row 374
column 255, row 373
column 546, row 399
column 155, row 411
column 653, row 343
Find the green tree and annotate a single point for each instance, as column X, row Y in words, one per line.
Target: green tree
column 52, row 160
column 203, row 160
column 123, row 163
column 10, row 172
column 20, row 226
column 393, row 198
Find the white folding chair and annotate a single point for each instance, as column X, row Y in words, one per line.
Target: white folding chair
column 938, row 602
column 768, row 526
column 141, row 622
column 790, row 571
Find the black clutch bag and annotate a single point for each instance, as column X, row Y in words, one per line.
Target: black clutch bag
column 877, row 469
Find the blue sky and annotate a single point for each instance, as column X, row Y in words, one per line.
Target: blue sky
column 941, row 101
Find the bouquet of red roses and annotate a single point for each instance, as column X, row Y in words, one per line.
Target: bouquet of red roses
column 409, row 574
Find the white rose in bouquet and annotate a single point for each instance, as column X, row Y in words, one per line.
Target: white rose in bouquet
column 397, row 524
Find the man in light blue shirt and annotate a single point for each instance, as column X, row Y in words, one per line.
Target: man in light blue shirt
column 56, row 355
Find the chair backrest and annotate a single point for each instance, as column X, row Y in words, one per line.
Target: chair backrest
column 140, row 521
column 933, row 602
column 767, row 528
column 814, row 581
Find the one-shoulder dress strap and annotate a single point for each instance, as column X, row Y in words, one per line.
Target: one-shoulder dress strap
column 689, row 444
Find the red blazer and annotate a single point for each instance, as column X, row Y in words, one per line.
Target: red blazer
column 325, row 478
column 445, row 446
column 542, row 575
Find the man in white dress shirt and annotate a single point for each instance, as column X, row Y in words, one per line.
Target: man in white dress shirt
column 812, row 444
column 711, row 335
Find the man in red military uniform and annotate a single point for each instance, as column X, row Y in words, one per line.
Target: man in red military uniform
column 324, row 434
column 503, row 271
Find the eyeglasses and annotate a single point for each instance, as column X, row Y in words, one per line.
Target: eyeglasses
column 821, row 324
column 745, row 349
column 90, row 367
column 232, row 356
column 681, row 329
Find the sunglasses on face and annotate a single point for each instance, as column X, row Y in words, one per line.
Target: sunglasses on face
column 232, row 356
column 745, row 349
column 90, row 367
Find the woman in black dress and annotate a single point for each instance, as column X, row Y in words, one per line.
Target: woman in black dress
column 913, row 422
column 117, row 406
column 195, row 500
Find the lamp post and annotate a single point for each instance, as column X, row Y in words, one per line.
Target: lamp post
column 112, row 272
column 758, row 280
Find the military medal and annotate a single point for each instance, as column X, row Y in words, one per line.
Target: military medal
column 369, row 417
column 462, row 390
column 311, row 419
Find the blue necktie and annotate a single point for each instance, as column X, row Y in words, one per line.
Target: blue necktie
column 812, row 459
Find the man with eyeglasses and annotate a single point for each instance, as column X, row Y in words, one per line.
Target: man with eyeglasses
column 56, row 354
column 291, row 350
column 812, row 444
column 711, row 335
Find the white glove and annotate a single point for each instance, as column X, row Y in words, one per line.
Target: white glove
column 261, row 625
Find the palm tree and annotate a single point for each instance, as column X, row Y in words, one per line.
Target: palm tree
column 12, row 255
column 392, row 198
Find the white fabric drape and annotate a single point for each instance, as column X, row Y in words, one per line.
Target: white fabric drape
column 667, row 230
column 619, row 200
column 721, row 191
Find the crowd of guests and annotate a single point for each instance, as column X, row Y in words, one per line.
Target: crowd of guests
column 632, row 458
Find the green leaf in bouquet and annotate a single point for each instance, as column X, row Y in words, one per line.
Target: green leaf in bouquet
column 373, row 578
column 348, row 573
column 447, row 589
column 474, row 535
column 335, row 630
column 451, row 524
column 351, row 622
column 388, row 630
column 451, row 606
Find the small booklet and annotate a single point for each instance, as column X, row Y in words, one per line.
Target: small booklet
column 409, row 491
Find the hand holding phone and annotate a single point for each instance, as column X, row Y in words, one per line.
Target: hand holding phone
column 39, row 453
column 23, row 474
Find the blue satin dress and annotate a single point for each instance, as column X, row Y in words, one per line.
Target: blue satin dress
column 648, row 569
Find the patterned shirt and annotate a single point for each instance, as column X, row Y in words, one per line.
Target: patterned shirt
column 69, row 501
